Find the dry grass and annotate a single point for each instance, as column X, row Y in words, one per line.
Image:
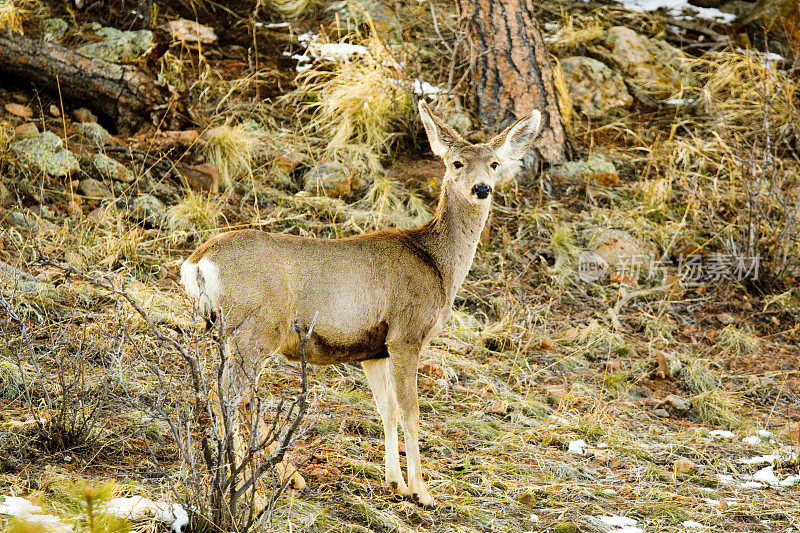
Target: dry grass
column 233, row 149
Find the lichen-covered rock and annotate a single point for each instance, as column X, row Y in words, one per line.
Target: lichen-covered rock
column 460, row 122
column 111, row 168
column 597, row 168
column 328, row 179
column 653, row 64
column 595, row 90
column 379, row 14
column 44, row 153
column 148, row 209
column 84, row 114
column 94, row 132
column 54, row 28
column 93, row 188
column 118, row 46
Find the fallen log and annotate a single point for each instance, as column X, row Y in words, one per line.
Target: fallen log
column 124, row 93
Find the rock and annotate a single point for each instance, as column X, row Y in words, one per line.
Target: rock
column 683, row 465
column 189, row 31
column 44, row 153
column 597, row 168
column 186, row 137
column 19, row 110
column 653, row 64
column 739, row 8
column 26, row 129
column 6, row 198
column 790, row 432
column 545, row 343
column 619, row 249
column 54, row 28
column 118, row 46
column 84, row 114
column 55, row 111
column 380, row 14
column 288, row 161
column 148, row 209
column 204, row 177
column 595, row 90
column 94, row 132
column 431, row 369
column 111, row 169
column 328, row 179
column 726, row 318
column 460, row 122
column 93, row 188
column 661, row 413
column 677, row 403
column 527, row 498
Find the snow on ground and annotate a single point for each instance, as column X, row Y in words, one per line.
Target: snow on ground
column 676, row 8
column 753, row 440
column 578, row 447
column 760, row 460
column 721, row 434
column 26, row 511
column 691, row 524
column 618, row 521
column 138, row 507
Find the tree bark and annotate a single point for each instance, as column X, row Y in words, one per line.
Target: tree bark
column 122, row 92
column 511, row 73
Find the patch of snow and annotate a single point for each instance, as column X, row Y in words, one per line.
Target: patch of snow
column 618, row 521
column 533, row 518
column 307, row 37
column 725, row 478
column 764, row 434
column 25, row 510
column 753, row 440
column 679, row 101
column 790, row 481
column 691, row 524
column 602, row 445
column 721, row 434
column 627, row 529
column 766, row 475
column 335, row 51
column 610, row 492
column 751, row 485
column 138, row 507
column 760, row 460
column 15, row 506
column 559, row 420
column 766, row 57
column 273, row 25
column 710, row 501
column 676, row 8
column 303, row 68
column 578, row 447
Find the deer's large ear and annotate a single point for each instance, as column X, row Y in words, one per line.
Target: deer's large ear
column 513, row 143
column 441, row 136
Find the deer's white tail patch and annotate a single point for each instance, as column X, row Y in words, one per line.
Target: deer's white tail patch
column 201, row 281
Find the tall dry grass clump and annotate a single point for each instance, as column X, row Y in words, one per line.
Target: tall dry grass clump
column 733, row 164
column 233, row 149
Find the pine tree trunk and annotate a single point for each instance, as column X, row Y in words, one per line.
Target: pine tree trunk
column 511, row 72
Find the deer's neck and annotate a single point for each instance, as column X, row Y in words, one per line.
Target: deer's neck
column 452, row 236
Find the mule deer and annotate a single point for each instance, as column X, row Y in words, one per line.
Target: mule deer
column 380, row 297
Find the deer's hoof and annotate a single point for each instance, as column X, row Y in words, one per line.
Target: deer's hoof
column 423, row 500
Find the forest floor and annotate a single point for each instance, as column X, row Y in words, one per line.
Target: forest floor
column 650, row 398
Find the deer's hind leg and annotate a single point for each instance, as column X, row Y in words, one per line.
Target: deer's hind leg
column 379, row 379
column 248, row 347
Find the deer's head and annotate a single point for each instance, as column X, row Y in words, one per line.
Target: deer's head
column 473, row 169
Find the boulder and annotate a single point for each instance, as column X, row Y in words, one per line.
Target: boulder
column 596, row 168
column 148, row 209
column 653, row 64
column 19, row 110
column 44, row 153
column 26, row 129
column 595, row 90
column 84, row 114
column 118, row 46
column 93, row 188
column 111, row 168
column 94, row 132
column 328, row 179
column 54, row 28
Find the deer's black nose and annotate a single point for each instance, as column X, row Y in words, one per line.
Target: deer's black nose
column 482, row 191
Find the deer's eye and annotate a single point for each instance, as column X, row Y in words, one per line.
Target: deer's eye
column 494, row 165
column 457, row 164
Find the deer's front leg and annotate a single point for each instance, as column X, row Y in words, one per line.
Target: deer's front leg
column 403, row 360
column 378, row 377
